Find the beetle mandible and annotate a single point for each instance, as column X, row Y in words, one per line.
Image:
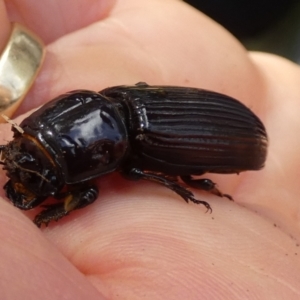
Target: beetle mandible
column 155, row 133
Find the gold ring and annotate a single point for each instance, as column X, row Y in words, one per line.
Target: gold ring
column 20, row 63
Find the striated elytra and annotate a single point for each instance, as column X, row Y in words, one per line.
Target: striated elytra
column 156, row 133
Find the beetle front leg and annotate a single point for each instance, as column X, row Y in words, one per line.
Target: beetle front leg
column 74, row 199
column 21, row 197
column 204, row 184
column 136, row 174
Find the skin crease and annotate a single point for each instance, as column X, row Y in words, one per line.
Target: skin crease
column 140, row 240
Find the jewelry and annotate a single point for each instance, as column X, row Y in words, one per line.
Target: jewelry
column 20, row 63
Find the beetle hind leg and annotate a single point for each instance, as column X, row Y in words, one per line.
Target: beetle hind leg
column 170, row 183
column 204, row 184
column 75, row 199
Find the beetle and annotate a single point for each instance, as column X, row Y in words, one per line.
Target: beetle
column 155, row 133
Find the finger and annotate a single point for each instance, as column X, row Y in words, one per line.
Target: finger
column 4, row 25
column 280, row 178
column 53, row 19
column 183, row 52
column 119, row 50
column 30, row 265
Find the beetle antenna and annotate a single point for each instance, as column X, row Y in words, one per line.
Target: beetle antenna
column 13, row 124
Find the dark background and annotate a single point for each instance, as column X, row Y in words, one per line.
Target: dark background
column 265, row 25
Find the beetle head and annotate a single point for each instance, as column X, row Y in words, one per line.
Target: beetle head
column 33, row 176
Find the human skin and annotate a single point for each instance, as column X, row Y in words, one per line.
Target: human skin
column 140, row 240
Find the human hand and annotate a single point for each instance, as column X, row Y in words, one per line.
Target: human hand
column 140, row 240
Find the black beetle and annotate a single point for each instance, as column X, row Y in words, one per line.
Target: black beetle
column 156, row 133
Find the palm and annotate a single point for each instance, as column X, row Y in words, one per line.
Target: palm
column 140, row 239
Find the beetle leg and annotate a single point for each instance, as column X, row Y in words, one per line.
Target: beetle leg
column 136, row 174
column 21, row 197
column 204, row 184
column 75, row 199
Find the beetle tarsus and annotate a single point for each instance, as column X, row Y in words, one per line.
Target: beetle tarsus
column 54, row 212
column 204, row 184
column 136, row 174
column 75, row 199
column 206, row 204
